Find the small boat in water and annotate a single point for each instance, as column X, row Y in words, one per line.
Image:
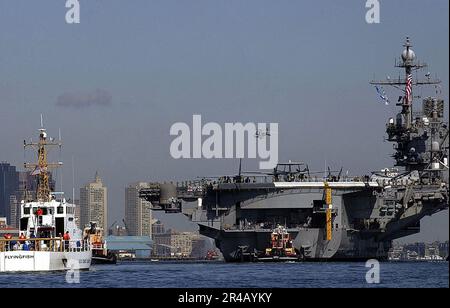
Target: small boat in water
column 100, row 252
column 49, row 237
column 281, row 249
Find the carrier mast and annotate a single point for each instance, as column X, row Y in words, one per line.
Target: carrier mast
column 419, row 137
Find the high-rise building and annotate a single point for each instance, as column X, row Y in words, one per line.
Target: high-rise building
column 78, row 213
column 26, row 191
column 14, row 211
column 9, row 182
column 138, row 213
column 28, row 183
column 94, row 204
column 157, row 228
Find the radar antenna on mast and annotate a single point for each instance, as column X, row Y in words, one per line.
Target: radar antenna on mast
column 409, row 63
column 418, row 135
column 41, row 169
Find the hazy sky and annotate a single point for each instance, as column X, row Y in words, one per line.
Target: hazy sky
column 117, row 81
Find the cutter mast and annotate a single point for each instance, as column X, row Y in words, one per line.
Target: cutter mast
column 41, row 169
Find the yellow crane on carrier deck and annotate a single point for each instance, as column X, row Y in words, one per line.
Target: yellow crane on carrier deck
column 329, row 206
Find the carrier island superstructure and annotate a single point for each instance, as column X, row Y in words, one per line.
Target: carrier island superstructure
column 333, row 217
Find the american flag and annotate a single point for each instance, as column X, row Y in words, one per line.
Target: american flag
column 409, row 88
column 38, row 170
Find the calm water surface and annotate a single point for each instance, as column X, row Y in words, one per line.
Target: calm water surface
column 250, row 275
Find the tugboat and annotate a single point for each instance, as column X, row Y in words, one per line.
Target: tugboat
column 100, row 252
column 49, row 238
column 281, row 247
column 212, row 255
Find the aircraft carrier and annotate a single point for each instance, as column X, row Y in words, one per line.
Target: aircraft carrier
column 334, row 216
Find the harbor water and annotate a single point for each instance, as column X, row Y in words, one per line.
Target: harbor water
column 245, row 275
